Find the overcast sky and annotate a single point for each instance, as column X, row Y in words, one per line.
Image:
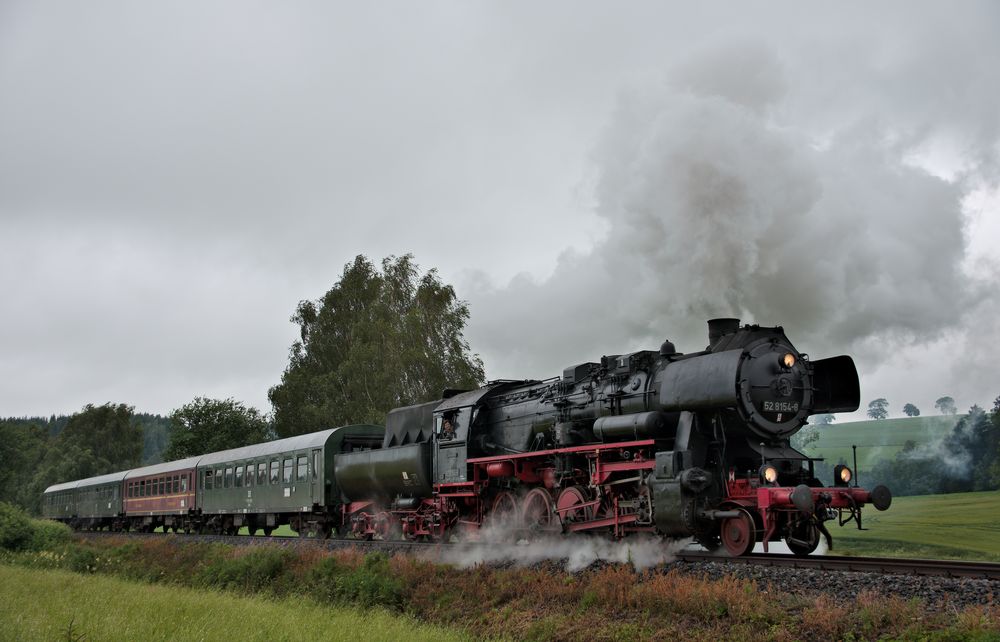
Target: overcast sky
column 592, row 177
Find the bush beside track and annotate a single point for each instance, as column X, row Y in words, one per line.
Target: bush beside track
column 540, row 602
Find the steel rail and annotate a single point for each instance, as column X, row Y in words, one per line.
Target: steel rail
column 884, row 565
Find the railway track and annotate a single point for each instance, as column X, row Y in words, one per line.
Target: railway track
column 884, row 565
column 881, row 565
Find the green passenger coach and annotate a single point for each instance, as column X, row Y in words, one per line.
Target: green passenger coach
column 95, row 502
column 288, row 481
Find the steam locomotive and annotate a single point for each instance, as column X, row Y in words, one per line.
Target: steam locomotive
column 681, row 445
column 678, row 445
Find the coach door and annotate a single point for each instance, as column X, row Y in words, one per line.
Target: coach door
column 316, row 476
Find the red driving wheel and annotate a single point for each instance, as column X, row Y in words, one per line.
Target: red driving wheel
column 739, row 533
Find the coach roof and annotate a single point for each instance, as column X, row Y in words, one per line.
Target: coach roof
column 165, row 467
column 299, row 442
column 90, row 481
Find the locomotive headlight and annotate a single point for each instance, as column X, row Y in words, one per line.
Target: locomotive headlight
column 769, row 474
column 788, row 360
column 842, row 475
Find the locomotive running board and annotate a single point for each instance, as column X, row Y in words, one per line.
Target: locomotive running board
column 559, row 451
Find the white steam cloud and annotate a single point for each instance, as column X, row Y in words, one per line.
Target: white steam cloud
column 576, row 551
column 729, row 189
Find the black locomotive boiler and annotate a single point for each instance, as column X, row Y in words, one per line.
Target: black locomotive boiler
column 681, row 445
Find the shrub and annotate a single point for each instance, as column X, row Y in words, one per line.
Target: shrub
column 371, row 584
column 16, row 532
column 49, row 535
column 254, row 571
column 19, row 532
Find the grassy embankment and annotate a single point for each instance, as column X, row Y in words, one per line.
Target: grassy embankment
column 953, row 526
column 878, row 439
column 52, row 605
column 612, row 602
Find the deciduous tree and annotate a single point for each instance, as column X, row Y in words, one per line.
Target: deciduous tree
column 96, row 441
column 210, row 425
column 378, row 339
column 878, row 409
column 911, row 411
column 946, row 405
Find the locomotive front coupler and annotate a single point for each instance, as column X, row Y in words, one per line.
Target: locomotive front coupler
column 853, row 513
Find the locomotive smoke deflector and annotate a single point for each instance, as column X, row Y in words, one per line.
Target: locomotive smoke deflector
column 835, row 381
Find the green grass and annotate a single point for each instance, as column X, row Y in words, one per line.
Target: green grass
column 41, row 604
column 953, row 526
column 878, row 439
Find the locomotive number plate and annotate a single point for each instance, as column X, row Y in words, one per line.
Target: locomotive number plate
column 781, row 406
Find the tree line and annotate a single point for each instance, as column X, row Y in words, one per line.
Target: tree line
column 879, row 408
column 967, row 459
column 383, row 336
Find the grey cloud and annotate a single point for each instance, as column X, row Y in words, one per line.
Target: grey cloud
column 174, row 178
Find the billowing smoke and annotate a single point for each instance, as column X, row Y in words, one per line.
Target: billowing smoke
column 728, row 188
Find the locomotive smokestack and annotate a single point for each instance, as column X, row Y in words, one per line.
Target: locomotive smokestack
column 719, row 327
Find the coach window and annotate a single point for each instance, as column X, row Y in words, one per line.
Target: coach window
column 228, row 483
column 261, row 474
column 315, row 464
column 142, row 488
column 207, row 480
column 275, row 475
column 248, row 475
column 184, row 483
column 286, row 471
column 302, row 468
column 177, row 484
column 239, row 477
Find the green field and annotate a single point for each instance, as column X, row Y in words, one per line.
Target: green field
column 44, row 605
column 877, row 439
column 953, row 526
